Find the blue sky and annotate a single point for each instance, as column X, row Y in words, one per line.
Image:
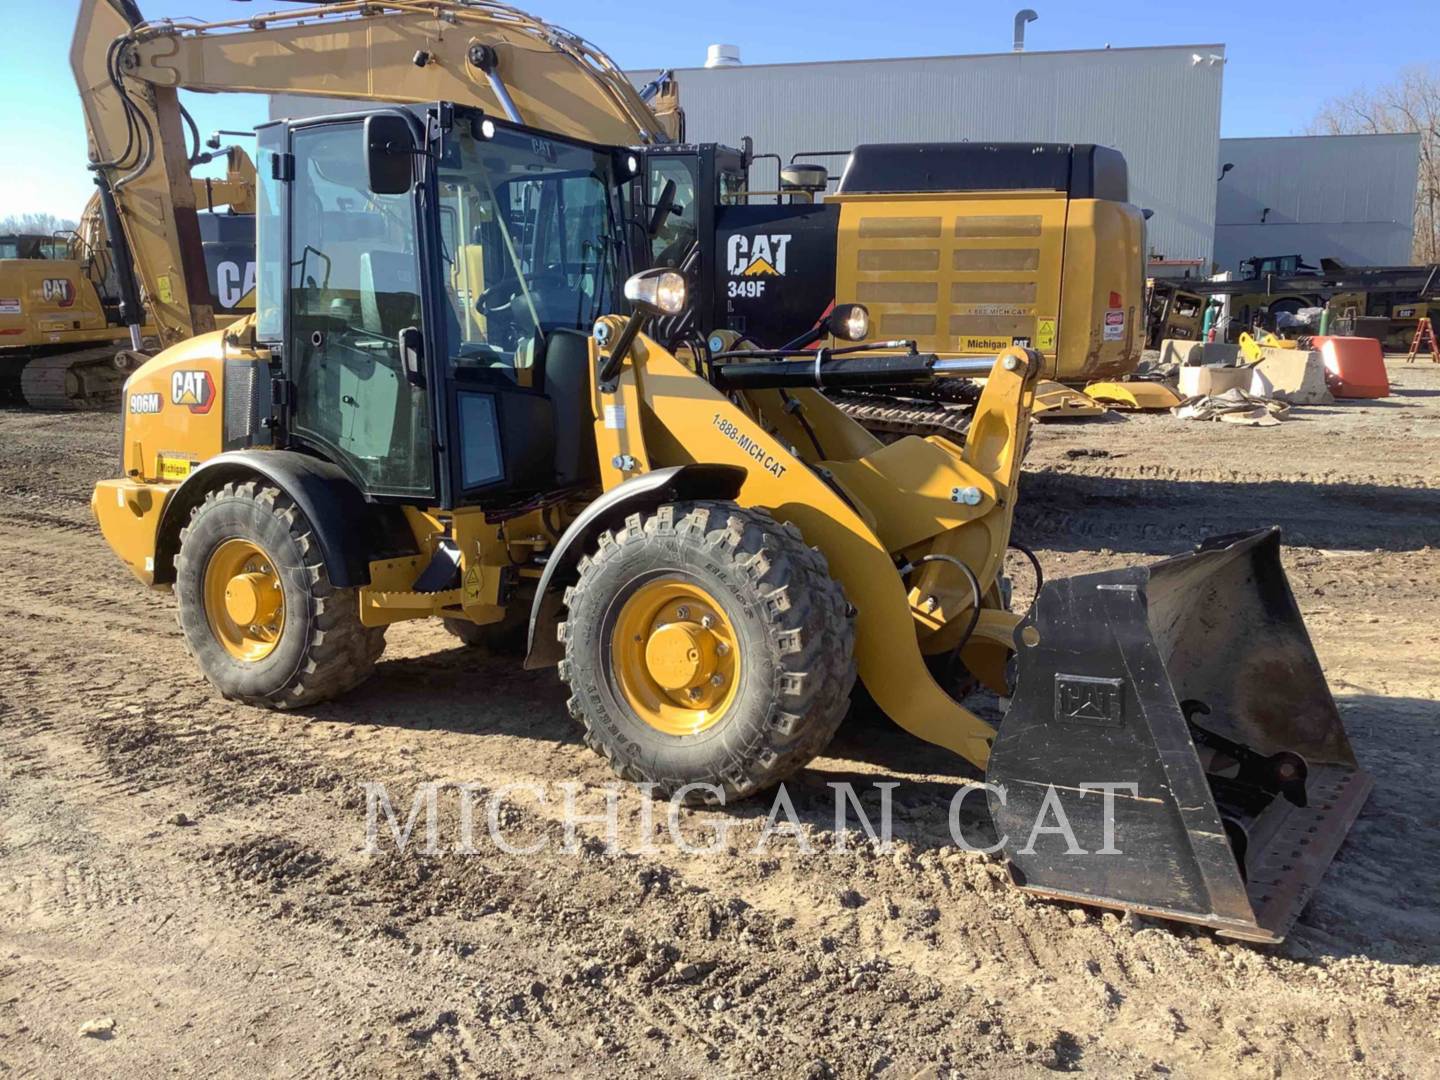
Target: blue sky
column 1282, row 64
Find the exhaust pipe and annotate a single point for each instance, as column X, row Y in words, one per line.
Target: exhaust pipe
column 1023, row 16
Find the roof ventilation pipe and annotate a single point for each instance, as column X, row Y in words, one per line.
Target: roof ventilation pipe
column 1023, row 16
column 722, row 56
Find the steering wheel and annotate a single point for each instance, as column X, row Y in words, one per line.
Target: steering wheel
column 506, row 287
column 550, row 281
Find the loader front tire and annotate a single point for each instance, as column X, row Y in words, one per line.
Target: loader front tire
column 707, row 644
column 256, row 604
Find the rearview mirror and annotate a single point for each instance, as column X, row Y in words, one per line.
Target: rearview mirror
column 412, row 355
column 389, row 148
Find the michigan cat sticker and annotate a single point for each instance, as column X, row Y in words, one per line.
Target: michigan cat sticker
column 984, row 344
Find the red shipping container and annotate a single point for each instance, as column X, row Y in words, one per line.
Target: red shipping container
column 1354, row 366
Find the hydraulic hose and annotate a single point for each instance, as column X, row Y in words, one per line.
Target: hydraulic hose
column 974, row 610
column 974, row 591
column 1035, row 562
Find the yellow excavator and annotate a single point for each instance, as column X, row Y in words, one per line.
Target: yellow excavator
column 449, row 403
column 68, row 329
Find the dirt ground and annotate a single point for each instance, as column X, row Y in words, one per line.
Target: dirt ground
column 189, row 877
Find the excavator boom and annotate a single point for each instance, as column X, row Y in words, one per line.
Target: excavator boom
column 143, row 143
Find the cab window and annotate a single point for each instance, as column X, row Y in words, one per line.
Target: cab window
column 528, row 237
column 677, row 232
column 354, row 287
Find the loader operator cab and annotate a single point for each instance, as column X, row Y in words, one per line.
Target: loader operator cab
column 429, row 285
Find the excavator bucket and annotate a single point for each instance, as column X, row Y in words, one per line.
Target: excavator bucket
column 1134, row 394
column 1056, row 401
column 1190, row 690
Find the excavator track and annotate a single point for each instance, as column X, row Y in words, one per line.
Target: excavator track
column 889, row 418
column 86, row 379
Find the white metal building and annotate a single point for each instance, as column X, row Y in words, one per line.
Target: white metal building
column 1347, row 197
column 1159, row 106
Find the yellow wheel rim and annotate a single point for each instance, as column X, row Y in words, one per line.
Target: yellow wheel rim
column 675, row 657
column 244, row 600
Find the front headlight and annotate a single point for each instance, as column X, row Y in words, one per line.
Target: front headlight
column 658, row 292
column 850, row 322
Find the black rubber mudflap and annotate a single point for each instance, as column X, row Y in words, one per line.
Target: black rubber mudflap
column 1193, row 681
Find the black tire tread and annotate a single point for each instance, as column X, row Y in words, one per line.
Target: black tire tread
column 810, row 621
column 342, row 651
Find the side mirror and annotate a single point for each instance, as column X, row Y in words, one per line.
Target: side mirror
column 664, row 207
column 412, row 355
column 389, row 148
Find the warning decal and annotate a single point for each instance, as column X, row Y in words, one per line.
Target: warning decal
column 1045, row 336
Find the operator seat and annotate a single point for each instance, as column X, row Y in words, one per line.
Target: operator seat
column 386, row 313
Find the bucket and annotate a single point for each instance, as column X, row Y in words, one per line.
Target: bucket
column 1190, row 690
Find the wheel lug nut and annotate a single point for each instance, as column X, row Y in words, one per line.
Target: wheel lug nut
column 682, row 613
column 706, row 621
column 721, row 649
column 717, row 680
column 695, row 694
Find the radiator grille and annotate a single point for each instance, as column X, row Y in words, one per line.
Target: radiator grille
column 957, row 281
column 247, row 403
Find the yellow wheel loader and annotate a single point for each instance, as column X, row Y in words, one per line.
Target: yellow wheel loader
column 447, row 404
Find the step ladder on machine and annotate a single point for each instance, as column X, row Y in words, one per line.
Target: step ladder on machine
column 1424, row 339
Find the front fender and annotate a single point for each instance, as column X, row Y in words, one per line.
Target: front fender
column 637, row 495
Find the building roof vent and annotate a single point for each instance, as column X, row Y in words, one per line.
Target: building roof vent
column 1023, row 16
column 722, row 56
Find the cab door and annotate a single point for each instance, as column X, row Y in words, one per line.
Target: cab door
column 354, row 287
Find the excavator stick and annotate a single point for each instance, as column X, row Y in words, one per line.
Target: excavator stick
column 1191, row 691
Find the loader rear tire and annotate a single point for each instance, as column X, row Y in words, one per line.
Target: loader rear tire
column 754, row 610
column 247, row 541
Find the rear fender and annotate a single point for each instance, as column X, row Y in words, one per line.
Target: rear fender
column 351, row 532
